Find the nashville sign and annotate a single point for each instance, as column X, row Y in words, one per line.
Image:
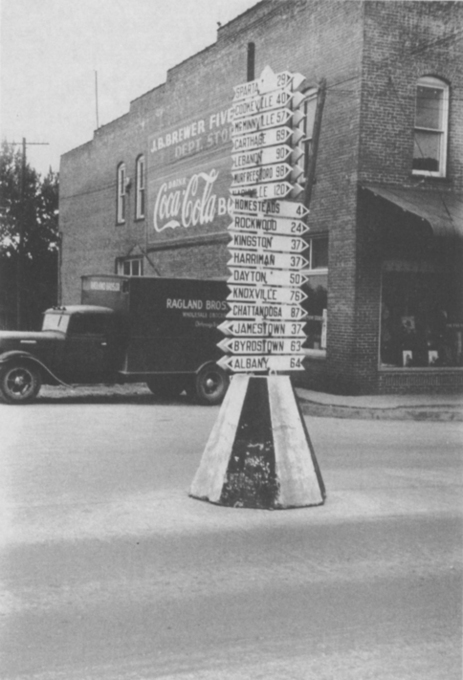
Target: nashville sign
column 270, row 190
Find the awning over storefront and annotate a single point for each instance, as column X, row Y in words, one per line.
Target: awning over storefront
column 443, row 211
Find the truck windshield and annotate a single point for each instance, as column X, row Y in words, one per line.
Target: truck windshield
column 55, row 322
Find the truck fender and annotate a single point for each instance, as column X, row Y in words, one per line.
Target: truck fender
column 206, row 363
column 14, row 355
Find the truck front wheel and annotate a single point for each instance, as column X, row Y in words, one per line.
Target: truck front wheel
column 211, row 384
column 19, row 383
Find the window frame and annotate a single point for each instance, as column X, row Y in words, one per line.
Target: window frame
column 140, row 188
column 311, row 269
column 432, row 82
column 311, row 95
column 122, row 261
column 121, row 194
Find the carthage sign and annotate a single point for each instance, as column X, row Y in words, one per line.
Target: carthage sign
column 189, row 175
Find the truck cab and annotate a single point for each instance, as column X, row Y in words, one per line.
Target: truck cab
column 77, row 344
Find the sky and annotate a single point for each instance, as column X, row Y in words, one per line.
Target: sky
column 51, row 49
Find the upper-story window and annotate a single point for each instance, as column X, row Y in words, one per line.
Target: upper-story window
column 310, row 107
column 431, row 127
column 140, row 188
column 121, row 193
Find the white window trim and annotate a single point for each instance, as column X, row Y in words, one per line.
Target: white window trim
column 309, row 269
column 428, row 81
column 120, row 262
column 121, row 194
column 140, row 188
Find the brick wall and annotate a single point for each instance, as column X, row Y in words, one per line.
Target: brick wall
column 370, row 55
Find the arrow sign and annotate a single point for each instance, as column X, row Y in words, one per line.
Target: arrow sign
column 264, row 156
column 243, row 258
column 267, row 311
column 267, row 277
column 274, row 225
column 268, row 81
column 283, row 244
column 266, row 294
column 264, row 173
column 293, row 329
column 251, row 206
column 261, row 346
column 259, row 363
column 256, row 140
column 269, row 190
column 267, row 102
column 262, row 121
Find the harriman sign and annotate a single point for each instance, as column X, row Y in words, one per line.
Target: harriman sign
column 189, row 176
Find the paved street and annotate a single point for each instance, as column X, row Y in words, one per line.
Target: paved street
column 110, row 571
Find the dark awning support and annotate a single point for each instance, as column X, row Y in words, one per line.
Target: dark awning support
column 441, row 210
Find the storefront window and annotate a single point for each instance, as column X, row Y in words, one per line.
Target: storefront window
column 421, row 320
column 316, row 290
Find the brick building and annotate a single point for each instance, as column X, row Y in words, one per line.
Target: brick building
column 148, row 194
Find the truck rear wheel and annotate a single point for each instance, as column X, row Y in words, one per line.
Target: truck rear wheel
column 19, row 383
column 211, row 384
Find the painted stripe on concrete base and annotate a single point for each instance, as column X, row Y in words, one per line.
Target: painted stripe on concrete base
column 295, row 463
column 211, row 474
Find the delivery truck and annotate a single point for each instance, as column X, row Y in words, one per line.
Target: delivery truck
column 161, row 331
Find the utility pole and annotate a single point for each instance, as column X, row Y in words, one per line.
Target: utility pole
column 96, row 100
column 22, row 220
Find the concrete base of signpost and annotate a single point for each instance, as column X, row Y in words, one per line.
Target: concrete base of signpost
column 259, row 453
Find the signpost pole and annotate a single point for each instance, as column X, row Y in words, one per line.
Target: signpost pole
column 259, row 454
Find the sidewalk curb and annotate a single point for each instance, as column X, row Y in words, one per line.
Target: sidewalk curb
column 428, row 413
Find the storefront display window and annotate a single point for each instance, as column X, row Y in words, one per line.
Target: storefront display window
column 421, row 320
column 316, row 290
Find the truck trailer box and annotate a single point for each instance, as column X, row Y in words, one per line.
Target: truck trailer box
column 172, row 323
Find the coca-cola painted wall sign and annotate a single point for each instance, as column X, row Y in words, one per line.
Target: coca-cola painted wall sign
column 189, row 176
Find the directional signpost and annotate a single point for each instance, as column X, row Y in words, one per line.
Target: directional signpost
column 267, row 232
column 259, row 453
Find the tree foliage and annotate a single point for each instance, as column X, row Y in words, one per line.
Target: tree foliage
column 28, row 234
